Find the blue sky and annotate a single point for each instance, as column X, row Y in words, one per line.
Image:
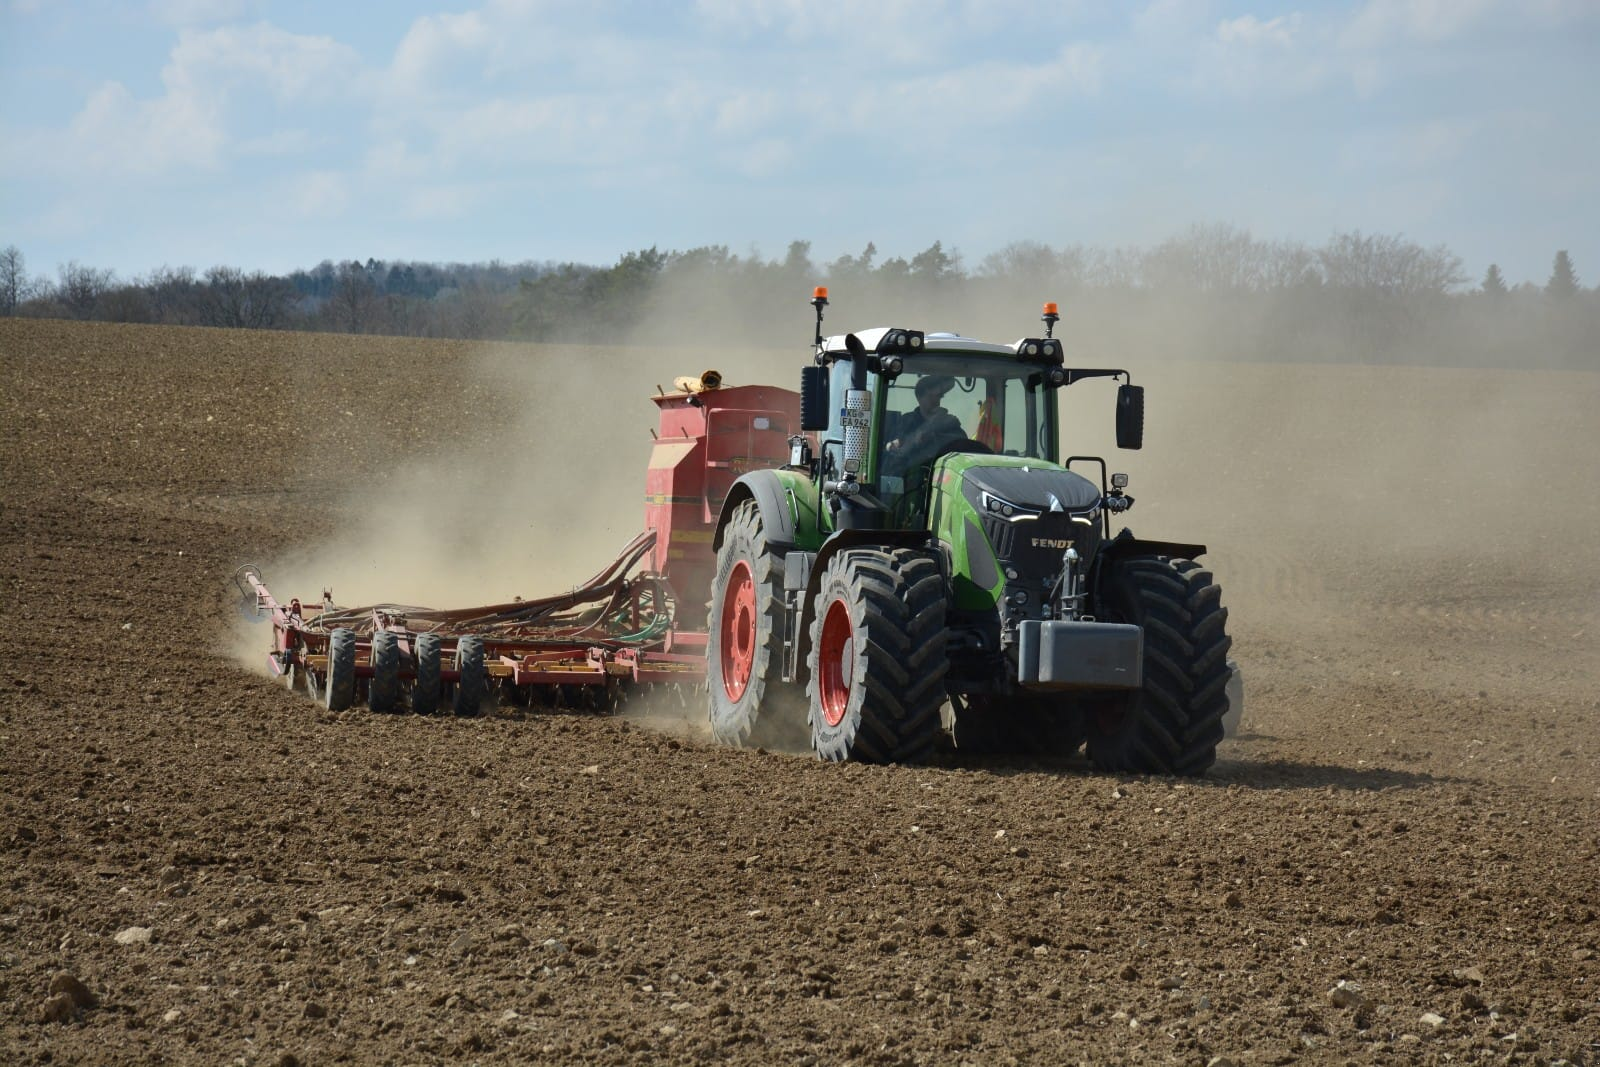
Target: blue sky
column 273, row 135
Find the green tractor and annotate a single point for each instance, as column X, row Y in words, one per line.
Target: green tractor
column 927, row 568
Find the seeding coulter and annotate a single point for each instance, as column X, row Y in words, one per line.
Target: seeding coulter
column 640, row 621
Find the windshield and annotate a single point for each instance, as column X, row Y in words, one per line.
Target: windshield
column 944, row 406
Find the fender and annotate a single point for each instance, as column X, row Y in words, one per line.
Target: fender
column 766, row 488
column 839, row 542
column 1125, row 544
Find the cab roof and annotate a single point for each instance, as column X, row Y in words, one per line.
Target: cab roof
column 932, row 342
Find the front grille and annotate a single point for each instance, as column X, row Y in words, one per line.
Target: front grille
column 1034, row 547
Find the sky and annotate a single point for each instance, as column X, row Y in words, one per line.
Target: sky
column 273, row 135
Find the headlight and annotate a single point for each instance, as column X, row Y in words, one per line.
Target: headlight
column 1005, row 508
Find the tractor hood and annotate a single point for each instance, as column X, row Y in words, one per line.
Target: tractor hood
column 1030, row 487
column 1011, row 521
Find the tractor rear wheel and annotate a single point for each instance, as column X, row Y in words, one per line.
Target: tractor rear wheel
column 383, row 691
column 750, row 702
column 474, row 678
column 339, row 690
column 877, row 662
column 425, row 686
column 1174, row 723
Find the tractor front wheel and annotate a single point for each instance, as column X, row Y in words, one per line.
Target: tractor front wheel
column 750, row 702
column 1174, row 723
column 877, row 662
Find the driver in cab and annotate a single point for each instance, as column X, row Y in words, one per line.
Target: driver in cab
column 922, row 431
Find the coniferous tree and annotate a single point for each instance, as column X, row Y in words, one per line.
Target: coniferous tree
column 1494, row 283
column 1563, row 280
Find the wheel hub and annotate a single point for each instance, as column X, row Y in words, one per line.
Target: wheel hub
column 836, row 662
column 737, row 631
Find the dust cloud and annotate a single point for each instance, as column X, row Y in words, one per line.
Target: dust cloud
column 1321, row 488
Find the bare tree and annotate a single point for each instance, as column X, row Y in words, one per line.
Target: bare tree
column 14, row 284
column 173, row 296
column 254, row 301
column 1388, row 264
column 354, row 299
column 81, row 287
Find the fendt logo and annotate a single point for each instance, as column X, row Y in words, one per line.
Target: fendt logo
column 1051, row 542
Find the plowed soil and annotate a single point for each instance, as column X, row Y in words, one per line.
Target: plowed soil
column 236, row 876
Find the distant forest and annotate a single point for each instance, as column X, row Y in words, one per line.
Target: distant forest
column 1211, row 292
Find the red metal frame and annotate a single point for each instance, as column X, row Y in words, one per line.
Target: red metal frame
column 621, row 627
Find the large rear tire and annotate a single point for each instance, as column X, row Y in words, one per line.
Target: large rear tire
column 750, row 702
column 383, row 691
column 877, row 662
column 1174, row 723
column 339, row 689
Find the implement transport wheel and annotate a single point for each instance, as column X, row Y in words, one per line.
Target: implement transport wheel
column 474, row 678
column 339, row 690
column 383, row 691
column 877, row 662
column 1173, row 724
column 425, row 686
column 750, row 702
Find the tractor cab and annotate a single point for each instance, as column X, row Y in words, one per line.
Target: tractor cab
column 954, row 395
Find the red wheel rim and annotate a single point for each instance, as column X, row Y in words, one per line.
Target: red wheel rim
column 836, row 662
column 736, row 631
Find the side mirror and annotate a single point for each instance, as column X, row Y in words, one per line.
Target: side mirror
column 813, row 398
column 1130, row 416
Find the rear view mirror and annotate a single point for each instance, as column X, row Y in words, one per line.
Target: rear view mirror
column 813, row 398
column 1130, row 416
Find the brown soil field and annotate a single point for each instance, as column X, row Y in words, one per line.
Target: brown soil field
column 1412, row 807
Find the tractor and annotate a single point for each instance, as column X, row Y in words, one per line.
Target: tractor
column 926, row 570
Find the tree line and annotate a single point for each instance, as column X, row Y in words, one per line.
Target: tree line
column 1213, row 291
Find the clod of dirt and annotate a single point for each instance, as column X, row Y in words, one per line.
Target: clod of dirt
column 58, row 1009
column 81, row 996
column 133, row 935
column 313, row 1010
column 1129, row 973
column 1347, row 994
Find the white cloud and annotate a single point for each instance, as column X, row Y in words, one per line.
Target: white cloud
column 1251, row 32
column 1171, row 17
column 1383, row 22
column 186, row 127
column 200, row 12
column 319, row 194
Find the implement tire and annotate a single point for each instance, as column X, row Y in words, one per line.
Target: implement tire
column 1174, row 723
column 474, row 678
column 425, row 686
column 877, row 662
column 383, row 691
column 750, row 702
column 339, row 689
